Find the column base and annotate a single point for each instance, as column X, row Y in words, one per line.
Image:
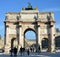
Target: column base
column 19, row 46
column 51, row 50
column 7, row 49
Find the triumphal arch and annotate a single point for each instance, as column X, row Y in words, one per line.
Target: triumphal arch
column 17, row 23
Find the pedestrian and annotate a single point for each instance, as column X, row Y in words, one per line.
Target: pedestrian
column 21, row 51
column 15, row 51
column 11, row 51
column 31, row 49
column 28, row 52
column 39, row 48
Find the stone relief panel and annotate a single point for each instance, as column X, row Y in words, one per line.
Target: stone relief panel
column 12, row 30
column 43, row 16
column 44, row 29
column 11, row 16
column 28, row 16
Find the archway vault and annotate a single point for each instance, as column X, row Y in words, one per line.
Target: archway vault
column 29, row 29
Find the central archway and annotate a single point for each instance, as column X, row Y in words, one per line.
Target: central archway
column 29, row 37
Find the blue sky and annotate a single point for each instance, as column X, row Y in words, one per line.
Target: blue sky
column 16, row 6
column 30, row 35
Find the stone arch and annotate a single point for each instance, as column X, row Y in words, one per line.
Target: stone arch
column 26, row 20
column 57, row 42
column 44, row 43
column 28, row 29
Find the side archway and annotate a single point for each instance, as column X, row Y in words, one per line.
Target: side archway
column 57, row 42
column 44, row 43
column 14, row 42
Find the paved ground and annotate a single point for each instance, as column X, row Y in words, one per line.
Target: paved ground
column 57, row 54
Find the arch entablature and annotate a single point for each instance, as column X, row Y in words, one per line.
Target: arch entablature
column 25, row 28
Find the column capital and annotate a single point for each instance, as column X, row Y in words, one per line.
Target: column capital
column 7, row 25
column 38, row 25
column 20, row 25
column 51, row 26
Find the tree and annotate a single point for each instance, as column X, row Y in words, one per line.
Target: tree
column 0, row 36
column 57, row 30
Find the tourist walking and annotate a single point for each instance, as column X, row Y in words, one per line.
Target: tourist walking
column 21, row 51
column 11, row 51
column 15, row 51
column 28, row 52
